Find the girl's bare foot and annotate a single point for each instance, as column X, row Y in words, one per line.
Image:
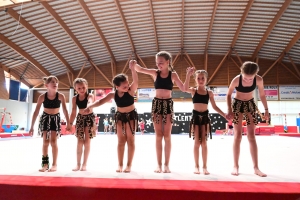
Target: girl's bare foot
column 76, row 168
column 158, row 169
column 127, row 169
column 44, row 168
column 166, row 170
column 205, row 172
column 259, row 173
column 83, row 168
column 119, row 170
column 53, row 168
column 197, row 170
column 235, row 171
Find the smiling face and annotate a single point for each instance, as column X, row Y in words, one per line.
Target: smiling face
column 123, row 87
column 81, row 88
column 162, row 63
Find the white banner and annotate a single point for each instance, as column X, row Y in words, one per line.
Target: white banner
column 221, row 92
column 289, row 93
column 146, row 94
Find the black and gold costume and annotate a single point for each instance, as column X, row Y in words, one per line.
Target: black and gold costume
column 162, row 107
column 126, row 118
column 49, row 123
column 245, row 107
column 200, row 118
column 83, row 121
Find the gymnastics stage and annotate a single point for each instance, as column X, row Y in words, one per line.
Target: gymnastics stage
column 279, row 158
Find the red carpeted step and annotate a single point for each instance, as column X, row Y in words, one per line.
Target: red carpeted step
column 65, row 188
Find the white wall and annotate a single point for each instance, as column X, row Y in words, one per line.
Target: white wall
column 290, row 108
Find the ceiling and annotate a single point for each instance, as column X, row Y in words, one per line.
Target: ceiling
column 39, row 38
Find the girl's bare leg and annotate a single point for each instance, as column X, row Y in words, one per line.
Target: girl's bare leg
column 53, row 141
column 87, row 147
column 167, row 129
column 236, row 145
column 158, row 136
column 131, row 146
column 196, row 150
column 204, row 150
column 253, row 148
column 78, row 154
column 121, row 146
column 45, row 151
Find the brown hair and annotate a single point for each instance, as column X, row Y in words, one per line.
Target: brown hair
column 79, row 80
column 201, row 71
column 118, row 79
column 49, row 78
column 249, row 68
column 166, row 55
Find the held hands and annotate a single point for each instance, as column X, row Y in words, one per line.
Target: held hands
column 69, row 127
column 190, row 71
column 229, row 115
column 132, row 64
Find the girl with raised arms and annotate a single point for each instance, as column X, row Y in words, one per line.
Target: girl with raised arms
column 200, row 125
column 126, row 117
column 162, row 105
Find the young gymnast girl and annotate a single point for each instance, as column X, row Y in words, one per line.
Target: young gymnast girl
column 243, row 106
column 126, row 117
column 85, row 122
column 49, row 124
column 200, row 126
column 162, row 105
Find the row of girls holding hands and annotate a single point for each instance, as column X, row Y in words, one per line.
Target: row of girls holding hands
column 126, row 117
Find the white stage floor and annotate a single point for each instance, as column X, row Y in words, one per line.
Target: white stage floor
column 279, row 158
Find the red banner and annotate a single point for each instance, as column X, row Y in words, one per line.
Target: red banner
column 100, row 93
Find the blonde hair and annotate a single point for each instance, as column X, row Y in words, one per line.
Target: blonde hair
column 48, row 79
column 201, row 71
column 167, row 56
column 79, row 80
column 249, row 68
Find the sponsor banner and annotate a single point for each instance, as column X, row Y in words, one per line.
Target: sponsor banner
column 271, row 93
column 291, row 93
column 219, row 93
column 100, row 93
column 145, row 94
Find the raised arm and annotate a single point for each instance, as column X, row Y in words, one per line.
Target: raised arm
column 134, row 84
column 189, row 72
column 36, row 112
column 142, row 70
column 260, row 85
column 214, row 105
column 99, row 102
